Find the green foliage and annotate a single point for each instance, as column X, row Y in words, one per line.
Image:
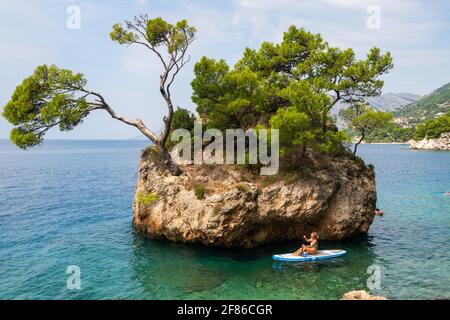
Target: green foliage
column 24, row 139
column 183, row 119
column 365, row 121
column 433, row 128
column 147, row 199
column 158, row 31
column 155, row 32
column 287, row 86
column 295, row 129
column 243, row 188
column 225, row 99
column 391, row 133
column 331, row 142
column 199, row 191
column 121, row 35
column 371, row 121
column 50, row 97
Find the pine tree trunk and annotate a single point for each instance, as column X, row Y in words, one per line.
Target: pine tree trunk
column 169, row 163
column 357, row 144
column 303, row 151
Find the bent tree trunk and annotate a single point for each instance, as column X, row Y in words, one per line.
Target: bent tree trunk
column 358, row 143
column 173, row 168
column 303, row 151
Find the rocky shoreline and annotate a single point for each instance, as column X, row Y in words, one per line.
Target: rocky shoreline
column 225, row 206
column 442, row 143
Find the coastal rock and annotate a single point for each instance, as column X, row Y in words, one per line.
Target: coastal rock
column 361, row 295
column 442, row 143
column 223, row 206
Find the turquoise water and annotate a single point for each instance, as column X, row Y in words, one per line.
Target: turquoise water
column 69, row 203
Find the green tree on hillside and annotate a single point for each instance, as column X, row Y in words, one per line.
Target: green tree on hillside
column 54, row 97
column 427, row 107
column 433, row 128
column 391, row 133
column 365, row 120
column 291, row 86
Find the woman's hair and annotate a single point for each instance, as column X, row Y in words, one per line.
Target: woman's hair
column 315, row 235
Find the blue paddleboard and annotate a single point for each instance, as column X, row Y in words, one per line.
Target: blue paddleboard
column 321, row 255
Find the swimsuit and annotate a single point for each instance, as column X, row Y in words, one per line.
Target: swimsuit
column 314, row 246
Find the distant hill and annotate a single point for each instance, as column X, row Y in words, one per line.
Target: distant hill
column 392, row 101
column 386, row 102
column 424, row 116
column 430, row 106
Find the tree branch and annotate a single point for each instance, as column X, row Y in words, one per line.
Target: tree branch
column 138, row 123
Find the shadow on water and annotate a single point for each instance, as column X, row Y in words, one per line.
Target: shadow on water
column 166, row 270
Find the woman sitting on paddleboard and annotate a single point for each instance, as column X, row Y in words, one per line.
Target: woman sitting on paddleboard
column 311, row 248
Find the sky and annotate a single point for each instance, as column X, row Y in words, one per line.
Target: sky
column 36, row 32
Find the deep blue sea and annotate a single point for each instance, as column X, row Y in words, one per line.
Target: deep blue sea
column 68, row 203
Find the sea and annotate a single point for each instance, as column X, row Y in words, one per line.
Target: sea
column 66, row 233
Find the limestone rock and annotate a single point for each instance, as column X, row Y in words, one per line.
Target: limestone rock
column 442, row 143
column 361, row 295
column 337, row 199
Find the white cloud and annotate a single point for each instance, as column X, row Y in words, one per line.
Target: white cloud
column 415, row 31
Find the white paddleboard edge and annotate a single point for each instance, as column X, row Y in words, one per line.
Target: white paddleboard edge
column 321, row 255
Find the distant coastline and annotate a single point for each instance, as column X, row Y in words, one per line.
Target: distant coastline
column 396, row 143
